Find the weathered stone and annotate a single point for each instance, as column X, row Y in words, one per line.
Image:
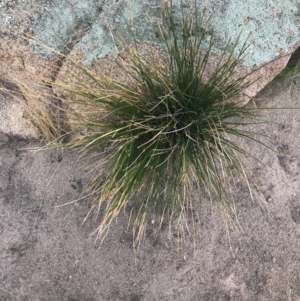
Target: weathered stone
column 88, row 26
column 13, row 121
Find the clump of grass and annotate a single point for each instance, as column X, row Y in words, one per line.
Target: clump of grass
column 288, row 78
column 167, row 131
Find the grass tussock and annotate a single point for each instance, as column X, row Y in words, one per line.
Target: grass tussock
column 289, row 77
column 169, row 135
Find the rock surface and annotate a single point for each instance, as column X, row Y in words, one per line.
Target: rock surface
column 83, row 26
column 272, row 29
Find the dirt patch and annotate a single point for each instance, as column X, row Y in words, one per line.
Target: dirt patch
column 46, row 253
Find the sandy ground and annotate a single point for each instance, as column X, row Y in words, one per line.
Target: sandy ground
column 46, row 254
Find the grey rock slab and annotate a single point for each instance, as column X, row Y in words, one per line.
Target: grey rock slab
column 62, row 20
column 16, row 16
column 90, row 27
column 273, row 27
